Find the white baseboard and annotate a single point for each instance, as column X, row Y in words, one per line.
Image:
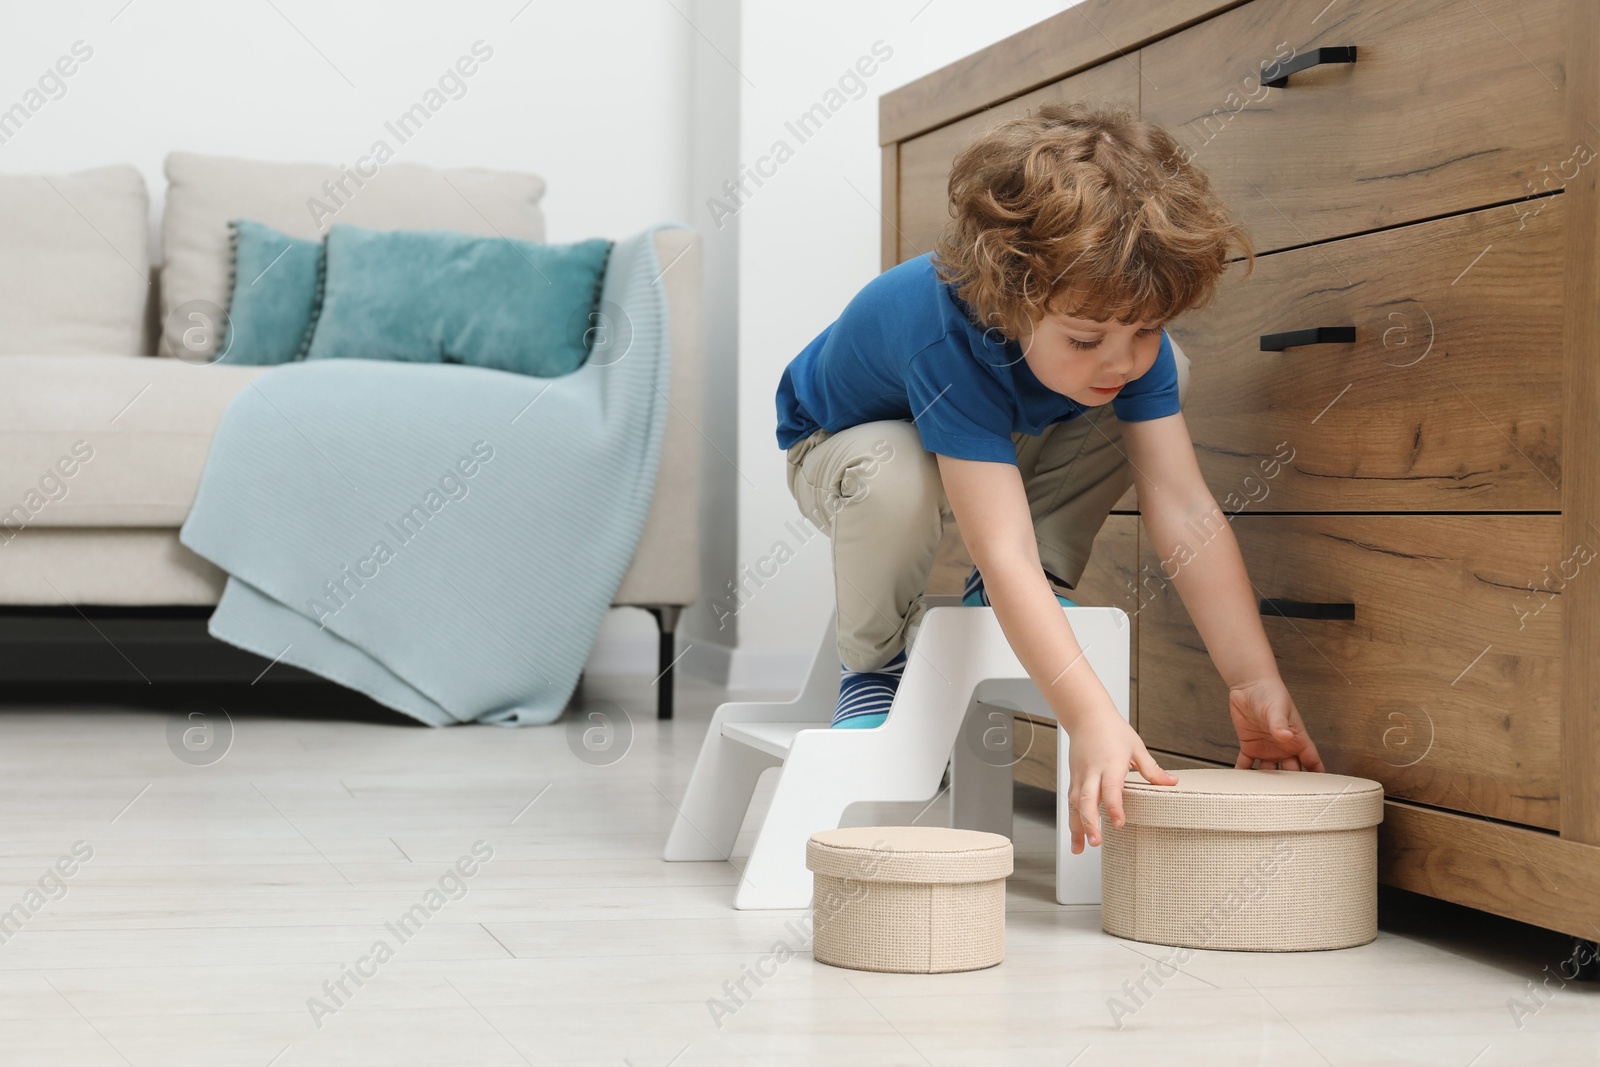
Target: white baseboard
column 722, row 665
column 706, row 659
column 623, row 655
column 640, row 655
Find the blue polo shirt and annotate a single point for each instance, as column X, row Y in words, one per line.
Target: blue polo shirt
column 905, row 348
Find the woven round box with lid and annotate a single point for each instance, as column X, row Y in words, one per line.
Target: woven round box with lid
column 908, row 899
column 1269, row 861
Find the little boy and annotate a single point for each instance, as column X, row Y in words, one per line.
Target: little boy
column 1019, row 377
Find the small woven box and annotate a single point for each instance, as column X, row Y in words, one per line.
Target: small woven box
column 1268, row 861
column 909, row 899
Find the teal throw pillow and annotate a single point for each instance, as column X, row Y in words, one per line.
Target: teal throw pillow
column 438, row 296
column 272, row 307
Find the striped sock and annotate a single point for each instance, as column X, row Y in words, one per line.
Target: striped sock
column 865, row 696
column 975, row 596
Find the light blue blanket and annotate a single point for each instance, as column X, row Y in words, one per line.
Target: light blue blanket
column 443, row 538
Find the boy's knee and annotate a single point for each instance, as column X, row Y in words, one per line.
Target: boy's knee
column 880, row 468
column 906, row 483
column 888, row 471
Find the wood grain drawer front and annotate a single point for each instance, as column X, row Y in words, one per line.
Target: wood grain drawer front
column 1445, row 686
column 925, row 161
column 1449, row 105
column 1448, row 400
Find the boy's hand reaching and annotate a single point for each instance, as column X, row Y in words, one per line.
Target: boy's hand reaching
column 1269, row 728
column 1102, row 750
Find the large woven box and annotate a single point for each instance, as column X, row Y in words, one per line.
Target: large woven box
column 908, row 899
column 1270, row 861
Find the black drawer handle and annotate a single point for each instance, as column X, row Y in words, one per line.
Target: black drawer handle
column 1320, row 335
column 1306, row 60
column 1300, row 609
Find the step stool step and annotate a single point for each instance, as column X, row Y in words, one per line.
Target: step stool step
column 773, row 738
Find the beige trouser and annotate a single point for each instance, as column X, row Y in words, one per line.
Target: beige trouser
column 876, row 493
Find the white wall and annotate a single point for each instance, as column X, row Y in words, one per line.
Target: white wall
column 809, row 240
column 591, row 96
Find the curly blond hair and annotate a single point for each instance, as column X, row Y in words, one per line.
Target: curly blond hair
column 1083, row 210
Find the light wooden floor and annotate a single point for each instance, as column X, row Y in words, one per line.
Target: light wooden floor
column 220, row 898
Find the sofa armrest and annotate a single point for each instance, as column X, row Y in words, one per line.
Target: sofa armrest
column 666, row 566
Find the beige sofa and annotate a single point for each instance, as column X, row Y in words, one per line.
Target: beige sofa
column 104, row 433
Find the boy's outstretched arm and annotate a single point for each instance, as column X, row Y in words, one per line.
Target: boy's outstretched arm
column 1194, row 540
column 991, row 508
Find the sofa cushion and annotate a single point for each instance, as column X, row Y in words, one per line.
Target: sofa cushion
column 303, row 199
column 106, row 440
column 74, row 262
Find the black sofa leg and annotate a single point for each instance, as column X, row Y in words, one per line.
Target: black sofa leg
column 667, row 619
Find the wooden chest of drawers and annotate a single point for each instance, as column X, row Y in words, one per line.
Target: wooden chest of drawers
column 1400, row 407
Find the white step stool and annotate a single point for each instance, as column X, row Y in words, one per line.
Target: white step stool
column 959, row 659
